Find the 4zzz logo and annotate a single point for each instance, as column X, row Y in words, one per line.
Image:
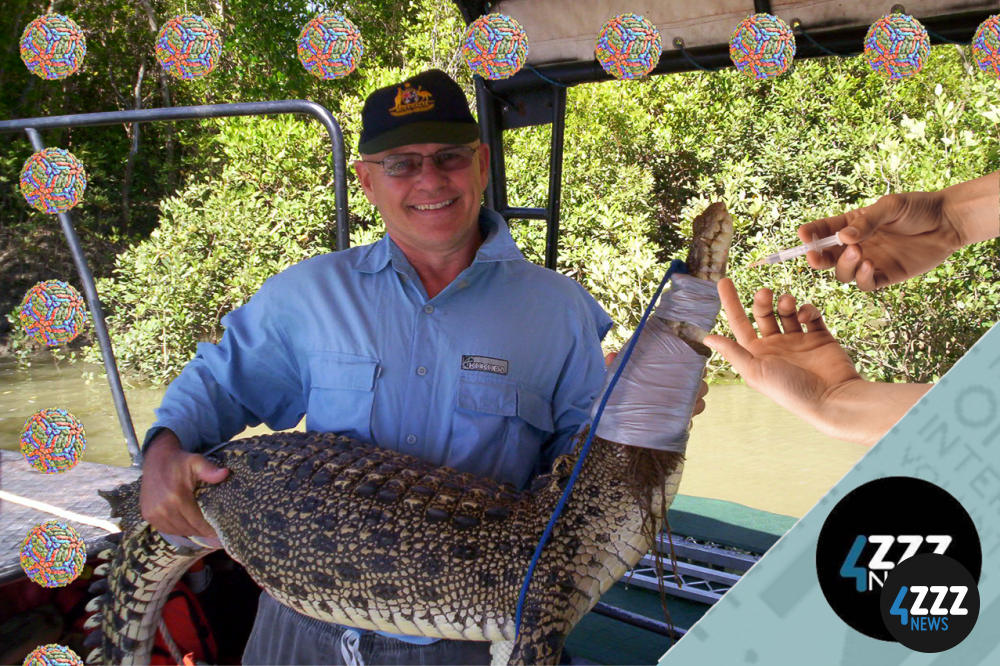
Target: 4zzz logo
column 878, row 566
column 938, row 612
column 930, row 603
column 870, row 540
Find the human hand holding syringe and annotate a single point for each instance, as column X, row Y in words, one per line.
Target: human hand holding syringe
column 901, row 236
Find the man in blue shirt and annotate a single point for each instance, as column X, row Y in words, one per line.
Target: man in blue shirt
column 440, row 341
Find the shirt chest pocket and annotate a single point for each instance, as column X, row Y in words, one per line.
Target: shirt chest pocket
column 498, row 429
column 341, row 393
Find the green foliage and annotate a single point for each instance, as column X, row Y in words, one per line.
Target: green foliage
column 855, row 138
column 27, row 351
column 827, row 138
column 270, row 206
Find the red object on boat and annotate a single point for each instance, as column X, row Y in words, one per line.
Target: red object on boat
column 189, row 629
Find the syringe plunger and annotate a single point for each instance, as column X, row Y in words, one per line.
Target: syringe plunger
column 816, row 245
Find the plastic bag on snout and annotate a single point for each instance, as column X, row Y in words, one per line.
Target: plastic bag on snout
column 652, row 402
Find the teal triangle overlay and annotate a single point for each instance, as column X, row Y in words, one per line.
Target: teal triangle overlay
column 777, row 615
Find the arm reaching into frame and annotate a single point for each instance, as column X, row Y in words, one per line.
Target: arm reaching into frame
column 904, row 235
column 803, row 368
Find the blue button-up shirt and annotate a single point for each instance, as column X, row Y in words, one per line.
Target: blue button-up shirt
column 492, row 376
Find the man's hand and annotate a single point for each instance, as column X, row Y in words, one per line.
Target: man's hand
column 898, row 237
column 802, row 370
column 169, row 478
column 699, row 406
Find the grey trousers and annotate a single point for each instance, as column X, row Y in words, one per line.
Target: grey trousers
column 282, row 636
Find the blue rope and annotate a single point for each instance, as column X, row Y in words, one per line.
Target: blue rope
column 695, row 62
column 676, row 266
column 817, row 44
column 545, row 78
column 943, row 39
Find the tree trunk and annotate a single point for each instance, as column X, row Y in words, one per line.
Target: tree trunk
column 134, row 150
column 165, row 94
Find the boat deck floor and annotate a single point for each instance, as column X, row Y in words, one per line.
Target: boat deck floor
column 75, row 491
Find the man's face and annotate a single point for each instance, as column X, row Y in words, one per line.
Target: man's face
column 409, row 205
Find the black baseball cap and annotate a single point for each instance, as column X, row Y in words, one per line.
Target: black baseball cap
column 427, row 108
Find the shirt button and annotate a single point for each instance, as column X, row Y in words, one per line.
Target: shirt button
column 421, row 371
column 428, row 309
column 463, row 284
column 411, row 439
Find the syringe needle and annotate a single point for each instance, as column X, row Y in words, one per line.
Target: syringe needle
column 784, row 255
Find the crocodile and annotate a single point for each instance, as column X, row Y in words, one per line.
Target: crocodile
column 345, row 532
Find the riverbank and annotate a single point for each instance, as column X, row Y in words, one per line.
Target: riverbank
column 743, row 448
column 31, row 253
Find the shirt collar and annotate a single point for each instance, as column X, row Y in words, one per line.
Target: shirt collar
column 498, row 246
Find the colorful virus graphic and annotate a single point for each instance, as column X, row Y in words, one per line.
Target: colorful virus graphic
column 986, row 46
column 53, row 440
column 53, row 312
column 628, row 46
column 53, row 554
column 330, row 46
column 188, row 47
column 762, row 46
column 495, row 46
column 53, row 655
column 53, row 46
column 53, row 180
column 897, row 46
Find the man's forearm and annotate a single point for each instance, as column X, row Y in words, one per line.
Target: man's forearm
column 974, row 207
column 862, row 412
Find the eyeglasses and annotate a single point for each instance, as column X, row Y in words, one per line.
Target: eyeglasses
column 404, row 165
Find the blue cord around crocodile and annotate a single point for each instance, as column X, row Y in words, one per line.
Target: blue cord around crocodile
column 676, row 266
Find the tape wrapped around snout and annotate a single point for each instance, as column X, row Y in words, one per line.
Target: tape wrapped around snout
column 690, row 300
column 652, row 402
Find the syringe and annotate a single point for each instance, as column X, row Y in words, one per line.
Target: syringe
column 784, row 255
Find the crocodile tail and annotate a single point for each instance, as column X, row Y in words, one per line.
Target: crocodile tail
column 114, row 498
column 124, row 503
column 133, row 584
column 130, row 598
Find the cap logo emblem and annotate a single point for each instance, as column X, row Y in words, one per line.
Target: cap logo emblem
column 411, row 100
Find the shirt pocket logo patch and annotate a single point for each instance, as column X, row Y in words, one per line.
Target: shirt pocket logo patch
column 497, row 366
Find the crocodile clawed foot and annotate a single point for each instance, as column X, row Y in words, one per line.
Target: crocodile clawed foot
column 93, row 639
column 98, row 586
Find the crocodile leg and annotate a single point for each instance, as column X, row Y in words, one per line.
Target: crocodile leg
column 542, row 644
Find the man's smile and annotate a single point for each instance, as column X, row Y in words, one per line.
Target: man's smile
column 435, row 206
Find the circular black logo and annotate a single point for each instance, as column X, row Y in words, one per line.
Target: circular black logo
column 879, row 525
column 930, row 603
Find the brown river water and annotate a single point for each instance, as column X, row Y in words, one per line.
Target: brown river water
column 743, row 448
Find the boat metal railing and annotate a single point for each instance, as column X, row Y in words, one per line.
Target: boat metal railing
column 33, row 126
